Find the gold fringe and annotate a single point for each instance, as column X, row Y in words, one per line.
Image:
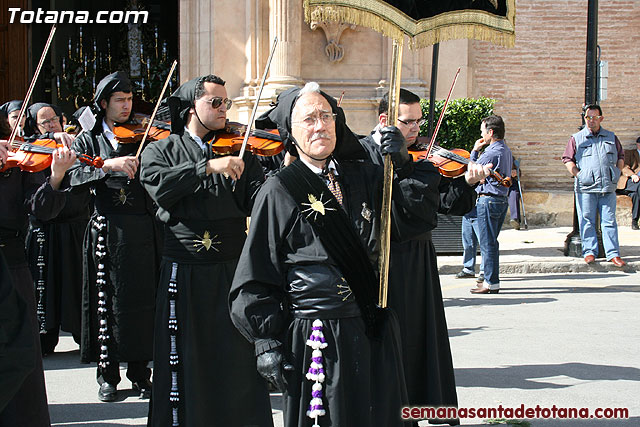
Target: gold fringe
column 392, row 23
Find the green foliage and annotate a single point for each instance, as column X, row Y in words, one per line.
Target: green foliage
column 460, row 126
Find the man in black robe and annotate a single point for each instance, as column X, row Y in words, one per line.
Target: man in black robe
column 305, row 290
column 414, row 284
column 53, row 246
column 204, row 370
column 11, row 110
column 23, row 193
column 120, row 249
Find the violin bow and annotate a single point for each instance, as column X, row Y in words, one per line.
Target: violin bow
column 255, row 106
column 340, row 100
column 444, row 109
column 14, row 131
column 155, row 110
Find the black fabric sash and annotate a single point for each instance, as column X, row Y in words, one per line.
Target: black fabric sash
column 337, row 234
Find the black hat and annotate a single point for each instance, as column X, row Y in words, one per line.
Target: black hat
column 638, row 140
column 114, row 82
column 31, row 125
column 10, row 106
column 279, row 117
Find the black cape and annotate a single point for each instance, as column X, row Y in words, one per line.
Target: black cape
column 17, row 356
column 59, row 244
column 132, row 263
column 23, row 193
column 415, row 294
column 205, row 223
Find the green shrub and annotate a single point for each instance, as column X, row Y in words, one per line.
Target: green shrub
column 460, row 127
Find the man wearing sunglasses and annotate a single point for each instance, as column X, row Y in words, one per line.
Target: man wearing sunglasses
column 204, row 370
column 594, row 156
column 414, row 285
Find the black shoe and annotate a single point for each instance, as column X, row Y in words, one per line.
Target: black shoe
column 464, row 275
column 107, row 392
column 634, row 225
column 143, row 388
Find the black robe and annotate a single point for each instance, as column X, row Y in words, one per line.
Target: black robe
column 59, row 271
column 124, row 217
column 415, row 294
column 23, row 193
column 17, row 356
column 286, row 278
column 205, row 227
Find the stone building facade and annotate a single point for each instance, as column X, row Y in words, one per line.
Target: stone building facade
column 538, row 84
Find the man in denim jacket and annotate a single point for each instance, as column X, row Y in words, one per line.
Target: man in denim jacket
column 594, row 156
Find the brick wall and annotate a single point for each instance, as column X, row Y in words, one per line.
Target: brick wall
column 539, row 84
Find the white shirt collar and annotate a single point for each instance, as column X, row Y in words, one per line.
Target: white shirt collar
column 331, row 166
column 108, row 133
column 376, row 135
column 196, row 138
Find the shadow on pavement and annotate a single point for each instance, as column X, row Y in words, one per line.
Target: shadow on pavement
column 561, row 276
column 524, row 376
column 87, row 412
column 64, row 360
column 460, row 332
column 493, row 299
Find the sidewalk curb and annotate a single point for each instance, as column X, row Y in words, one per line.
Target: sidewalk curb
column 576, row 266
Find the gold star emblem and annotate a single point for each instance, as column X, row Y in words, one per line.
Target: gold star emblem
column 206, row 242
column 316, row 206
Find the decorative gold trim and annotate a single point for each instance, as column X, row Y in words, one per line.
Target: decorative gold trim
column 393, row 23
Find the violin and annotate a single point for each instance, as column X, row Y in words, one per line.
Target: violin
column 133, row 130
column 451, row 163
column 38, row 155
column 262, row 142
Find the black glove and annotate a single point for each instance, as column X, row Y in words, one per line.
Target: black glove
column 393, row 143
column 270, row 365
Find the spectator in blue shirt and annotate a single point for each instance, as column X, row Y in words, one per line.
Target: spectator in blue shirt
column 492, row 199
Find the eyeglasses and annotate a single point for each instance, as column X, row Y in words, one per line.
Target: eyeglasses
column 217, row 101
column 412, row 122
column 592, row 117
column 310, row 121
column 49, row 121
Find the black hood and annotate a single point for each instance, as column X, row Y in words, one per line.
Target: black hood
column 31, row 125
column 279, row 117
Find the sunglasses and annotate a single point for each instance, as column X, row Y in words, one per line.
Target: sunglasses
column 217, row 101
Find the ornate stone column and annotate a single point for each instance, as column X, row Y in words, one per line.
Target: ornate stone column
column 285, row 22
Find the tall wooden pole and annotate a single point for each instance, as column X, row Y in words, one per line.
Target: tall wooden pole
column 385, row 216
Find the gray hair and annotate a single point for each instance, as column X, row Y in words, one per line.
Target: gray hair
column 311, row 87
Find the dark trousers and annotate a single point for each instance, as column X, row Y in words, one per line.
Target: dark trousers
column 632, row 189
column 136, row 371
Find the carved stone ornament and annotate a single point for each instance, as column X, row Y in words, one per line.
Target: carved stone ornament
column 333, row 32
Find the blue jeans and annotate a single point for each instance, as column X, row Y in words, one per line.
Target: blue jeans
column 470, row 241
column 491, row 213
column 588, row 205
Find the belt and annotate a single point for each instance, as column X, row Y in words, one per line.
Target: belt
column 491, row 195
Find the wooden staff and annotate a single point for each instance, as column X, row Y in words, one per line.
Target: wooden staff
column 385, row 214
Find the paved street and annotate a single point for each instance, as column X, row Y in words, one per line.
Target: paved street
column 570, row 340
